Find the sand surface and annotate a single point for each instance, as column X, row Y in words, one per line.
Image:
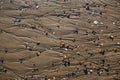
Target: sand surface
column 32, row 31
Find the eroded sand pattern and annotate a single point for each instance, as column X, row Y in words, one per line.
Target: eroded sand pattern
column 59, row 39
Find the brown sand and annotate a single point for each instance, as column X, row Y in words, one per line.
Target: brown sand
column 30, row 39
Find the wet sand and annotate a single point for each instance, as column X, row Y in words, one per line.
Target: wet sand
column 59, row 39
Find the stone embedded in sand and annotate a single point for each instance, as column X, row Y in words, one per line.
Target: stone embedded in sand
column 95, row 22
column 53, row 32
column 114, row 23
column 37, row 7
